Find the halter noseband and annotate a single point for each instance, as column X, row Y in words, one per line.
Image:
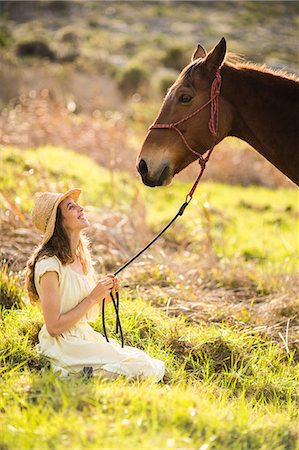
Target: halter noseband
column 213, row 122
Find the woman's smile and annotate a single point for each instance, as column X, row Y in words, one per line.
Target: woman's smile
column 74, row 217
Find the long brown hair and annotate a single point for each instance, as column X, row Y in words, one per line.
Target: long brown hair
column 60, row 246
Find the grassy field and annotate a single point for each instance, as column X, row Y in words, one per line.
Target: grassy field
column 224, row 390
column 216, row 299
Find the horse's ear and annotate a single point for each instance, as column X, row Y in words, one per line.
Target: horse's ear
column 199, row 53
column 216, row 56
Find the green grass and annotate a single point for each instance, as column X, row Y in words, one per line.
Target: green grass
column 255, row 223
column 126, row 416
column 225, row 389
column 11, row 293
column 55, row 169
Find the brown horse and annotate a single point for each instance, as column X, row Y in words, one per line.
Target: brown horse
column 255, row 104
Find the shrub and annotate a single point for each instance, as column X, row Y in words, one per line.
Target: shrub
column 132, row 78
column 35, row 48
column 175, row 58
column 68, row 45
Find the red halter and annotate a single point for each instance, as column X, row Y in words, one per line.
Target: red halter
column 213, row 126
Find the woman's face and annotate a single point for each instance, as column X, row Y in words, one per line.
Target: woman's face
column 73, row 215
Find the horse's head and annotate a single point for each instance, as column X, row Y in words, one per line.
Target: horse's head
column 164, row 152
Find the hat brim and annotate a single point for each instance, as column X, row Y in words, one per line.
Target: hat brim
column 74, row 194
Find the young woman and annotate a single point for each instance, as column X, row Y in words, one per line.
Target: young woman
column 60, row 275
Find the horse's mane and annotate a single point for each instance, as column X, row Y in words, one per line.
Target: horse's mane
column 238, row 62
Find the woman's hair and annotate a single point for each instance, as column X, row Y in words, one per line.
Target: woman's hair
column 60, row 246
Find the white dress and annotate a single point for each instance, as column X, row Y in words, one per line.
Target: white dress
column 81, row 345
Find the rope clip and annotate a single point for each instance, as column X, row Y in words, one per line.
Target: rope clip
column 188, row 199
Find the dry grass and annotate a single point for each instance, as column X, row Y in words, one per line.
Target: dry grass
column 38, row 119
column 215, row 291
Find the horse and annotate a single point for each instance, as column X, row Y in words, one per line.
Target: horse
column 214, row 97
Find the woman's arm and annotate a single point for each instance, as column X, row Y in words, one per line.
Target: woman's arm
column 57, row 323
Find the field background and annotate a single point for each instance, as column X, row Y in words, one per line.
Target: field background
column 216, row 298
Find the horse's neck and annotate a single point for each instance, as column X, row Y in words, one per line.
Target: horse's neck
column 264, row 109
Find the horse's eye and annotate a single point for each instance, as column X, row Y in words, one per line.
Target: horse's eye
column 185, row 98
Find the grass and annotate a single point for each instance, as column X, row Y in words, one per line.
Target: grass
column 157, row 418
column 225, row 389
column 241, row 222
column 209, row 305
column 48, row 169
column 11, row 293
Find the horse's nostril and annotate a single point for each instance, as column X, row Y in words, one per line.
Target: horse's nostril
column 142, row 167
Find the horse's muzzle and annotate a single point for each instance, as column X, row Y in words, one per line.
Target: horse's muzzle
column 152, row 181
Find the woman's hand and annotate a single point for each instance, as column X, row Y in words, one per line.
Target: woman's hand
column 116, row 284
column 102, row 290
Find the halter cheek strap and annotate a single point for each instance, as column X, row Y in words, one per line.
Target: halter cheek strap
column 213, row 122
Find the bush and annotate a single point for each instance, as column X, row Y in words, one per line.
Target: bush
column 35, row 48
column 132, row 78
column 175, row 58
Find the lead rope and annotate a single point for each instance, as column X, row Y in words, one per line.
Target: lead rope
column 180, row 212
column 213, row 127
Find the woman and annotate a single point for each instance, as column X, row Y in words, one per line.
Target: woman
column 61, row 276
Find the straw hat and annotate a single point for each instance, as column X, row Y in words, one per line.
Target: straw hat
column 43, row 215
